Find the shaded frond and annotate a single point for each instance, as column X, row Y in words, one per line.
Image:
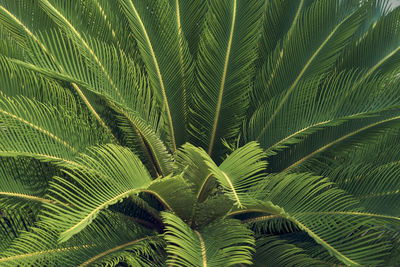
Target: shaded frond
column 331, row 217
column 142, row 136
column 274, row 251
column 175, row 194
column 106, row 240
column 191, row 16
column 323, row 30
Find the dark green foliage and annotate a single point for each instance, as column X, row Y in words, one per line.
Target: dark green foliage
column 199, row 133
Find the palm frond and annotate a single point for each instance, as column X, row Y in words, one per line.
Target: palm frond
column 142, row 136
column 20, row 30
column 324, row 212
column 344, row 137
column 15, row 81
column 63, row 17
column 23, row 19
column 275, row 251
column 239, row 171
column 105, row 241
column 83, row 193
column 318, row 103
column 23, row 183
column 222, row 243
column 227, row 44
column 167, row 61
column 375, row 186
column 324, row 29
column 190, row 162
column 30, row 128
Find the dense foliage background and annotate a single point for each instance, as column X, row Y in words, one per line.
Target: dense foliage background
column 199, row 133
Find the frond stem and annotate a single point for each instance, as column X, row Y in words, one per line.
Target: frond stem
column 223, row 80
column 104, row 253
column 338, row 140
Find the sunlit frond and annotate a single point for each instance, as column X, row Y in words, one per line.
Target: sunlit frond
column 218, row 244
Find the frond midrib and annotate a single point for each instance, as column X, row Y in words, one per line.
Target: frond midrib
column 111, row 250
column 97, row 209
column 43, row 252
column 160, row 78
column 339, row 140
column 302, row 72
column 223, row 80
column 203, row 248
column 75, row 86
column 41, row 130
column 26, row 196
column 85, row 44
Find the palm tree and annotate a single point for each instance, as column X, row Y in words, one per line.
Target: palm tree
column 199, row 133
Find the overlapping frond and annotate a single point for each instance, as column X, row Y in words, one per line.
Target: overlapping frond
column 274, row 251
column 158, row 30
column 378, row 50
column 111, row 173
column 19, row 29
column 227, row 45
column 88, row 248
column 323, row 30
column 319, row 103
column 279, row 17
column 191, row 17
column 331, row 217
column 140, row 135
column 344, row 137
column 223, row 243
column 15, row 81
column 31, row 128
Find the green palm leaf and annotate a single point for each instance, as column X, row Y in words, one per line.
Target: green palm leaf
column 164, row 59
column 275, row 251
column 86, row 248
column 97, row 100
column 326, row 217
column 30, row 128
column 212, row 245
column 119, row 179
column 228, row 41
column 340, row 23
